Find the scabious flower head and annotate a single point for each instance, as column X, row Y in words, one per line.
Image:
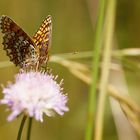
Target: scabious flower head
column 35, row 94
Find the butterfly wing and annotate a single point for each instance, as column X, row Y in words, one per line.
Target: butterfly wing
column 17, row 43
column 42, row 39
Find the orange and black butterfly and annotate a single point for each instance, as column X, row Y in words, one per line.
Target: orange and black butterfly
column 22, row 49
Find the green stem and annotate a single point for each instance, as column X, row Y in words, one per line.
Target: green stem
column 78, row 55
column 29, row 128
column 95, row 71
column 21, row 127
column 108, row 37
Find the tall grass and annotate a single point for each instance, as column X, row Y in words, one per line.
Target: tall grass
column 95, row 71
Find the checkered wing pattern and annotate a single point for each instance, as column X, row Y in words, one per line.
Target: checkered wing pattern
column 42, row 38
column 17, row 43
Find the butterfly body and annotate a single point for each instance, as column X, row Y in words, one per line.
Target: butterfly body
column 23, row 50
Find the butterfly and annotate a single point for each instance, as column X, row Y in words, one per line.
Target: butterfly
column 23, row 50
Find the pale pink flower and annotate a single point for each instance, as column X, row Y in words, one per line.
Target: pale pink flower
column 35, row 94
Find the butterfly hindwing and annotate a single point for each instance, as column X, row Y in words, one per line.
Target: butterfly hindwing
column 42, row 38
column 17, row 43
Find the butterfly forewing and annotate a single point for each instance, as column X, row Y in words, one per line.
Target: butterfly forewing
column 42, row 38
column 17, row 43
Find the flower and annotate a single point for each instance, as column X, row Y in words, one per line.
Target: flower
column 35, row 94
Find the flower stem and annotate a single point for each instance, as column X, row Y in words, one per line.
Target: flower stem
column 29, row 128
column 21, row 127
column 95, row 71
